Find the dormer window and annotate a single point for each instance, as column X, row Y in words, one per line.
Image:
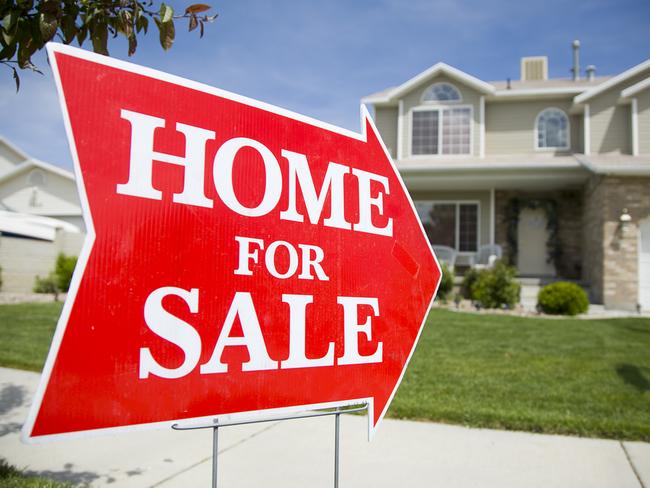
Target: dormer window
column 552, row 129
column 441, row 92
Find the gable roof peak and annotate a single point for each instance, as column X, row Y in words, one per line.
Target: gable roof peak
column 438, row 68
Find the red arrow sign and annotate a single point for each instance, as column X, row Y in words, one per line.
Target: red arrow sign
column 240, row 258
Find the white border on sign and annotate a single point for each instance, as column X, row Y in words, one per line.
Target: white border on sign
column 53, row 48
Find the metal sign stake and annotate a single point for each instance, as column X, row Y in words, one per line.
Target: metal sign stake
column 215, row 452
column 215, row 424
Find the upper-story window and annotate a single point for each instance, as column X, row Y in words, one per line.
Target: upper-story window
column 441, row 92
column 552, row 129
column 441, row 131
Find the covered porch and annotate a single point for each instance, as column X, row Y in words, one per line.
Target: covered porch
column 532, row 210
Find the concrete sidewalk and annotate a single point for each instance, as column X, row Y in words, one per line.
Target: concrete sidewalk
column 299, row 453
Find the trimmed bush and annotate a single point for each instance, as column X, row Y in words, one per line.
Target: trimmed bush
column 63, row 271
column 496, row 287
column 471, row 275
column 47, row 285
column 446, row 283
column 562, row 298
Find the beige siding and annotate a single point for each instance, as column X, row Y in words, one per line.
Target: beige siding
column 610, row 122
column 386, row 122
column 483, row 197
column 413, row 99
column 22, row 259
column 510, row 125
column 643, row 107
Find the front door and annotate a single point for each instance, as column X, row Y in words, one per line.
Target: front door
column 532, row 236
column 644, row 265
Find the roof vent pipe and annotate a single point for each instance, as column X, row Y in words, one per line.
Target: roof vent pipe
column 576, row 60
column 591, row 72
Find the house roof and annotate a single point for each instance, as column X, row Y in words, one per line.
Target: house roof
column 36, row 163
column 438, row 68
column 16, row 150
column 33, row 226
column 616, row 164
column 630, row 91
column 635, row 70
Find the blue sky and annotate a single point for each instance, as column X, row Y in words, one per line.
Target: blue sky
column 320, row 57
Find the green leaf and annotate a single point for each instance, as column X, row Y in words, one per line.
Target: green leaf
column 16, row 79
column 81, row 34
column 48, row 25
column 8, row 51
column 166, row 13
column 193, row 23
column 167, row 34
column 69, row 28
column 9, row 20
column 142, row 23
column 126, row 22
column 133, row 44
column 99, row 36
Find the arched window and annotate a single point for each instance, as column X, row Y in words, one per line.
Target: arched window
column 441, row 92
column 552, row 129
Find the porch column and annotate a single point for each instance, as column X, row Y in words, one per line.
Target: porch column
column 492, row 217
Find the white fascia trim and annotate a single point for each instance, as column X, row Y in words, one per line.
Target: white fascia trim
column 481, row 127
column 636, row 88
column 437, row 68
column 376, row 100
column 612, row 81
column 13, row 147
column 468, row 167
column 527, row 92
column 635, row 127
column 35, row 163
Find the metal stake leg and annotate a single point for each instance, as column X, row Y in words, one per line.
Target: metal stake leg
column 215, row 454
column 337, row 429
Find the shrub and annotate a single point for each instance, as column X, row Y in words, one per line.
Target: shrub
column 63, row 270
column 47, row 285
column 496, row 287
column 446, row 283
column 562, row 298
column 471, row 275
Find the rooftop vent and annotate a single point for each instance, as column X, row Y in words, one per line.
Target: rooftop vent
column 534, row 68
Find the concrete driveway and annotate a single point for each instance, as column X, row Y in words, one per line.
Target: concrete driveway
column 299, row 453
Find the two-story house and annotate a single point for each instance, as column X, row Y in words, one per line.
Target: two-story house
column 555, row 171
column 40, row 216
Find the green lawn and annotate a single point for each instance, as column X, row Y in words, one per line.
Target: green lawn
column 570, row 376
column 26, row 330
column 583, row 377
column 10, row 477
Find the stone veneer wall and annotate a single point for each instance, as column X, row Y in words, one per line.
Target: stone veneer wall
column 611, row 251
column 569, row 215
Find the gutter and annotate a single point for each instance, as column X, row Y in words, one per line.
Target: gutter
column 614, row 169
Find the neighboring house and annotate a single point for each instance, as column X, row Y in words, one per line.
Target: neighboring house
column 556, row 171
column 40, row 216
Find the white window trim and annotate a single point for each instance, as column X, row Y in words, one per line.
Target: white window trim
column 568, row 132
column 634, row 110
column 440, row 107
column 457, row 223
column 442, row 102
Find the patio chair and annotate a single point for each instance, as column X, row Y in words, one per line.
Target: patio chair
column 445, row 254
column 486, row 256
